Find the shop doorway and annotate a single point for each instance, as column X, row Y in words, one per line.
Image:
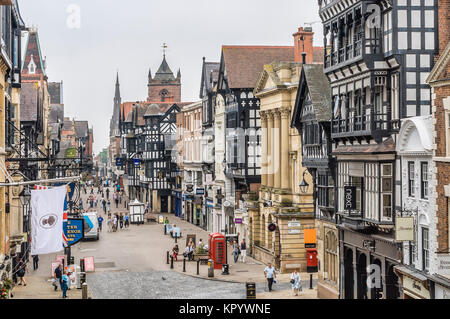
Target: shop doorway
column 164, row 204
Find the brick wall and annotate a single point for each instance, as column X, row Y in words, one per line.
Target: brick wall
column 443, row 178
column 444, row 25
column 173, row 89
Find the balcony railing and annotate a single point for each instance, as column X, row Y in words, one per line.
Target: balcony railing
column 313, row 151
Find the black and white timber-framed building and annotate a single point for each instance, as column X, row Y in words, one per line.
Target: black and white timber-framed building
column 377, row 57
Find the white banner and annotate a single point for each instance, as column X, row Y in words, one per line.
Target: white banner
column 47, row 220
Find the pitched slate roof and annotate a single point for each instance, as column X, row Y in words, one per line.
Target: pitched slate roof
column 164, row 72
column 68, row 124
column 55, row 91
column 210, row 74
column 81, row 128
column 56, row 113
column 243, row 64
column 29, row 97
column 319, row 90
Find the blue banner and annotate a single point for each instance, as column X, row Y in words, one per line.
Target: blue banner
column 73, row 230
column 70, row 192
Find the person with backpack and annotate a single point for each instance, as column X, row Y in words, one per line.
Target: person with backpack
column 21, row 270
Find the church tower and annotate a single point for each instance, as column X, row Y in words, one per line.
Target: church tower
column 164, row 86
column 115, row 120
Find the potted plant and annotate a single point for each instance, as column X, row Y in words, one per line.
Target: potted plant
column 5, row 289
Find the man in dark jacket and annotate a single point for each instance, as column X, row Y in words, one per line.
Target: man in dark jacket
column 58, row 275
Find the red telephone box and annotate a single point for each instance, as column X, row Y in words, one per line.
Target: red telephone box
column 217, row 249
column 311, row 260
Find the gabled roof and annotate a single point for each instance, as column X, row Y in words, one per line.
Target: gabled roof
column 81, row 129
column 210, row 74
column 33, row 51
column 314, row 81
column 243, row 64
column 56, row 93
column 29, row 100
column 441, row 70
column 56, row 113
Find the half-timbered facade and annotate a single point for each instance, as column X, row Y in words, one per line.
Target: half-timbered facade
column 239, row 69
column 377, row 56
column 311, row 118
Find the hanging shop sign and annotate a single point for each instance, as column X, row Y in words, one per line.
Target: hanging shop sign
column 73, row 230
column 189, row 188
column 350, row 197
column 404, row 229
column 200, row 191
column 209, row 203
column 238, row 220
column 71, row 152
column 137, row 162
column 119, row 162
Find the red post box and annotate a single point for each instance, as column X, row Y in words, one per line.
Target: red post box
column 311, row 260
column 217, row 249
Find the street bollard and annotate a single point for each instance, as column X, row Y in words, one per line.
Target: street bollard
column 171, row 262
column 167, row 257
column 165, row 230
column 82, row 264
column 84, row 291
column 310, row 281
column 210, row 268
column 198, row 266
column 184, row 264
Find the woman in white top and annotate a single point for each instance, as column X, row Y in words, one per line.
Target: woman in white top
column 295, row 282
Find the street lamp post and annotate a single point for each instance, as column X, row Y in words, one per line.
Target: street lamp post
column 25, row 198
column 304, row 185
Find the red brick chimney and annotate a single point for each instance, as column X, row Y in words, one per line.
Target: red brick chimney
column 303, row 42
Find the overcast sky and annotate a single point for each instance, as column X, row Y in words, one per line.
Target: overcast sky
column 128, row 35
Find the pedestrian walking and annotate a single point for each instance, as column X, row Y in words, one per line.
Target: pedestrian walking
column 104, row 205
column 95, row 202
column 235, row 251
column 22, row 269
column 109, row 223
column 295, row 282
column 115, row 223
column 35, row 262
column 100, row 222
column 120, row 199
column 243, row 250
column 58, row 276
column 64, row 285
column 270, row 274
column 175, row 251
column 121, row 221
column 108, row 206
column 107, row 193
column 127, row 221
column 92, row 190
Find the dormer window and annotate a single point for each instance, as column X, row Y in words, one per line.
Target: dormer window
column 32, row 66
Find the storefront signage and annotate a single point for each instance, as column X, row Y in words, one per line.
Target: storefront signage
column 404, row 229
column 441, row 292
column 443, row 264
column 200, row 191
column 89, row 265
column 238, row 220
column 71, row 152
column 294, row 231
column 369, row 244
column 350, row 197
column 294, row 224
column 415, row 288
column 73, row 230
column 119, row 162
column 209, row 203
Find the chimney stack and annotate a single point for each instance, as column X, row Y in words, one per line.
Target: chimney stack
column 303, row 43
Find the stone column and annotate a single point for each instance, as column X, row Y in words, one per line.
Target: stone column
column 264, row 157
column 276, row 150
column 285, row 184
column 269, row 166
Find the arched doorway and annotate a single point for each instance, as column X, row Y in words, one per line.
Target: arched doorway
column 361, row 273
column 392, row 284
column 377, row 283
column 348, row 274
